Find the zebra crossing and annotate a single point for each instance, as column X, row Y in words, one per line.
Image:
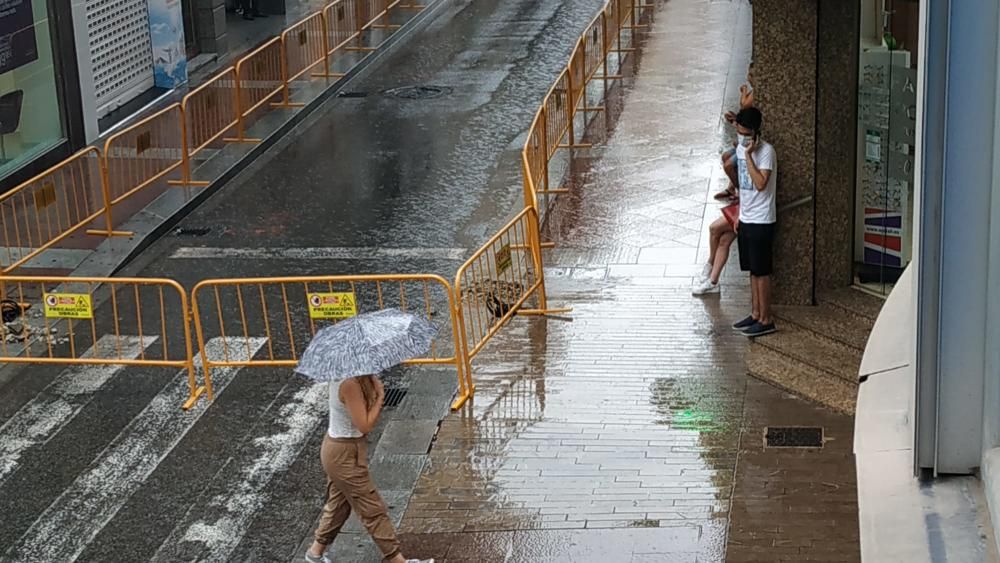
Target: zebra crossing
column 76, row 519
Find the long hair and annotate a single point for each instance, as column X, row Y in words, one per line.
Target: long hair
column 368, row 390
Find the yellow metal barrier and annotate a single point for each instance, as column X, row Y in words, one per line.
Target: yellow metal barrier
column 46, row 209
column 208, row 113
column 496, row 282
column 287, row 312
column 554, row 125
column 143, row 322
column 305, row 47
column 140, row 155
column 260, row 79
column 342, row 25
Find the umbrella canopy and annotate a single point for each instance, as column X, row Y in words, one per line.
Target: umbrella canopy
column 366, row 345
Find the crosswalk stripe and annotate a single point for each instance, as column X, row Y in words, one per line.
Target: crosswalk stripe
column 71, row 522
column 231, row 512
column 42, row 417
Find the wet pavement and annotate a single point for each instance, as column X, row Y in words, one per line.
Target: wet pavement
column 626, row 432
column 630, row 431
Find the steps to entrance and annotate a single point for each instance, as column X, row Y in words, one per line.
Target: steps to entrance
column 817, row 353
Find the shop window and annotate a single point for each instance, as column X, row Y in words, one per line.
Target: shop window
column 31, row 119
column 887, row 111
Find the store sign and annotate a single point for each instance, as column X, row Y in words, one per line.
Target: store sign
column 17, row 34
column 332, row 306
column 166, row 27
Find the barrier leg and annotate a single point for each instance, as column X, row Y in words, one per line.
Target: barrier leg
column 109, row 230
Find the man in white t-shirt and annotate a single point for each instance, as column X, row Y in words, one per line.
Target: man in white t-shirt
column 758, row 173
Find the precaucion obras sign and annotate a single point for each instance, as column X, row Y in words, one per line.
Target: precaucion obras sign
column 332, row 305
column 68, row 306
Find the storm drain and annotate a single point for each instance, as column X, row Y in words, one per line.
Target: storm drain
column 794, row 437
column 418, row 92
column 192, row 231
column 393, row 396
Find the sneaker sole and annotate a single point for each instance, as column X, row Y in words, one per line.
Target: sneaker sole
column 762, row 333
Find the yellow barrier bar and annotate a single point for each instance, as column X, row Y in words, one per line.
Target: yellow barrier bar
column 139, row 309
column 287, row 312
column 53, row 205
column 208, row 112
column 259, row 79
column 305, row 47
column 496, row 281
column 140, row 155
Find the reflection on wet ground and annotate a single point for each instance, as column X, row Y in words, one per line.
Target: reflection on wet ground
column 630, row 431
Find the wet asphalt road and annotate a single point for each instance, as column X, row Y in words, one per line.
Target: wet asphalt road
column 373, row 170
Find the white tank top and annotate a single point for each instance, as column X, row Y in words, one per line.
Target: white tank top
column 341, row 425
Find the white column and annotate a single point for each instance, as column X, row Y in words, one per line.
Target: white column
column 959, row 101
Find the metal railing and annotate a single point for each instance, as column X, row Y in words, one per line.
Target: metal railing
column 50, row 207
column 142, row 322
column 287, row 311
column 555, row 123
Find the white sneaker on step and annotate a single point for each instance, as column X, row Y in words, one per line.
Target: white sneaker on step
column 705, row 287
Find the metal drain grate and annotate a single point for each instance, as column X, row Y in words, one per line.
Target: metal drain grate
column 393, row 396
column 794, row 437
column 192, row 231
column 418, row 92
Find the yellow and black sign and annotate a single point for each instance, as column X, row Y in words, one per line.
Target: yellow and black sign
column 503, row 259
column 68, row 306
column 332, row 305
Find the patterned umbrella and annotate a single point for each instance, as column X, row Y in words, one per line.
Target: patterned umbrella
column 366, row 345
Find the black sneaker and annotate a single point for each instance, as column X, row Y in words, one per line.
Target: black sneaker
column 758, row 329
column 745, row 323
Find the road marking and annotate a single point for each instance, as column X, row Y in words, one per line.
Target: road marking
column 318, row 253
column 245, row 494
column 44, row 416
column 71, row 522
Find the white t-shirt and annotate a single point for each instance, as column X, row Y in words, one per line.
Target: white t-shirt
column 758, row 206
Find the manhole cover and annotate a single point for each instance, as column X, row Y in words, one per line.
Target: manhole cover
column 393, row 396
column 794, row 437
column 418, row 92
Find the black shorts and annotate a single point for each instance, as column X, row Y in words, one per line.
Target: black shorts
column 755, row 242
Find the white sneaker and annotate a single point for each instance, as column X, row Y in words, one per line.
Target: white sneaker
column 705, row 287
column 706, row 272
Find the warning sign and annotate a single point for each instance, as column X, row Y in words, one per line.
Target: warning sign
column 68, row 306
column 503, row 259
column 332, row 305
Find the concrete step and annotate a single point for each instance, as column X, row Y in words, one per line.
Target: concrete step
column 816, row 351
column 829, row 322
column 854, row 302
column 801, row 379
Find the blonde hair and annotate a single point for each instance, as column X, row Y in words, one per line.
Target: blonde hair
column 367, row 383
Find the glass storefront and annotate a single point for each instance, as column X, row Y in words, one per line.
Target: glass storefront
column 887, row 112
column 31, row 116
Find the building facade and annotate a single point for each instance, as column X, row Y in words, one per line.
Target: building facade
column 72, row 69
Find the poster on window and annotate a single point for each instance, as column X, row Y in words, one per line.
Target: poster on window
column 166, row 27
column 17, row 34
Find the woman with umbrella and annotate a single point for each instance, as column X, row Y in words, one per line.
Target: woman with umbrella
column 348, row 354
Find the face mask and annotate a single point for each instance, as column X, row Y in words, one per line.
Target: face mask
column 743, row 140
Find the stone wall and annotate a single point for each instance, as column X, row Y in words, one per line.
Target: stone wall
column 805, row 61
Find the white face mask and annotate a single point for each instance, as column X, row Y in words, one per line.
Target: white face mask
column 743, row 140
